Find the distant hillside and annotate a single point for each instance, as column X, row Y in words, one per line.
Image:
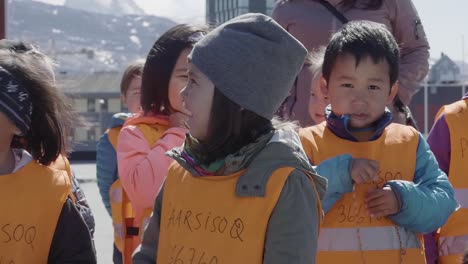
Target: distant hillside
column 84, row 41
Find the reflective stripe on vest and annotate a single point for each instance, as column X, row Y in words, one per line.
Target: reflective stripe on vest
column 371, row 238
column 453, row 245
column 462, row 197
column 115, row 194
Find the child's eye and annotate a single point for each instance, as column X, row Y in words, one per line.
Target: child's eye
column 374, row 87
column 312, row 94
column 347, row 85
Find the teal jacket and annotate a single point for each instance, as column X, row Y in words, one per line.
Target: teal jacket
column 106, row 161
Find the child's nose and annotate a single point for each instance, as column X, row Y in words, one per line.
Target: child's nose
column 360, row 96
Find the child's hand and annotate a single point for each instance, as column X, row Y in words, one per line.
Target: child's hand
column 364, row 170
column 177, row 119
column 382, row 202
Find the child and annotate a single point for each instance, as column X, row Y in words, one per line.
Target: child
column 388, row 187
column 106, row 156
column 317, row 101
column 240, row 179
column 36, row 221
column 145, row 138
column 68, row 119
column 448, row 140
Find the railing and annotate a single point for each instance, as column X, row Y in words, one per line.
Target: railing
column 430, row 98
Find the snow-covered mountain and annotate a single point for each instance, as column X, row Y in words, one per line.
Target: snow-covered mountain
column 84, row 41
column 111, row 7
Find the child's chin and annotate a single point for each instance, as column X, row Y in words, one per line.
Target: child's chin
column 360, row 124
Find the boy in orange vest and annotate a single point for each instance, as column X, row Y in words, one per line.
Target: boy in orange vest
column 448, row 140
column 388, row 188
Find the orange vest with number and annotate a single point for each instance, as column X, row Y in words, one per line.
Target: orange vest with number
column 31, row 201
column 203, row 220
column 127, row 232
column 453, row 240
column 349, row 234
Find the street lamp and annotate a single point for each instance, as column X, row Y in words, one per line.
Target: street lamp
column 101, row 103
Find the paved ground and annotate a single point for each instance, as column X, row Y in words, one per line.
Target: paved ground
column 86, row 173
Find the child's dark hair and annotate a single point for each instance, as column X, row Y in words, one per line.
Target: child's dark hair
column 160, row 63
column 465, row 257
column 231, row 127
column 52, row 114
column 404, row 110
column 361, row 39
column 132, row 70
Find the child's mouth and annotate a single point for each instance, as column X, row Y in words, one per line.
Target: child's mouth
column 360, row 116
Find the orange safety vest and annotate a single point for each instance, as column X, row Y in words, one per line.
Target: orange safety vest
column 453, row 239
column 123, row 216
column 62, row 163
column 204, row 221
column 31, row 201
column 349, row 234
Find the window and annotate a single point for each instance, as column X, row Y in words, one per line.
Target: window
column 91, row 105
column 80, row 134
column 114, row 105
column 80, row 105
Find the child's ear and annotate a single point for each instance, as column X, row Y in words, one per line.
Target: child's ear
column 323, row 86
column 17, row 131
column 123, row 99
column 393, row 93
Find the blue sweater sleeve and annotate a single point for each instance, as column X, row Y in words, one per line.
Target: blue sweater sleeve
column 336, row 171
column 106, row 169
column 427, row 201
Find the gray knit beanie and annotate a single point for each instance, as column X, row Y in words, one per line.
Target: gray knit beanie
column 252, row 60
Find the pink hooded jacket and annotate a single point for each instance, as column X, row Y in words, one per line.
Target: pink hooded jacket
column 142, row 168
column 312, row 24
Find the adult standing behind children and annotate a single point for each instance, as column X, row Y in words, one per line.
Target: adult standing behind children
column 106, row 153
column 313, row 24
column 146, row 137
column 388, row 188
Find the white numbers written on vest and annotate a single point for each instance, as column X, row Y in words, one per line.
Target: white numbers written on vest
column 185, row 255
column 206, row 222
column 464, row 146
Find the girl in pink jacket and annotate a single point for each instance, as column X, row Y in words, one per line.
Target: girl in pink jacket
column 146, row 137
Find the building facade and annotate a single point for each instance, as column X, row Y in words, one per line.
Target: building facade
column 445, row 70
column 220, row 11
column 96, row 98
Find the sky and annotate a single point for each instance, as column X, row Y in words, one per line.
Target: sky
column 445, row 22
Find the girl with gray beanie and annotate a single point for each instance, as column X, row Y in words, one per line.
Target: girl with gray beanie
column 241, row 189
